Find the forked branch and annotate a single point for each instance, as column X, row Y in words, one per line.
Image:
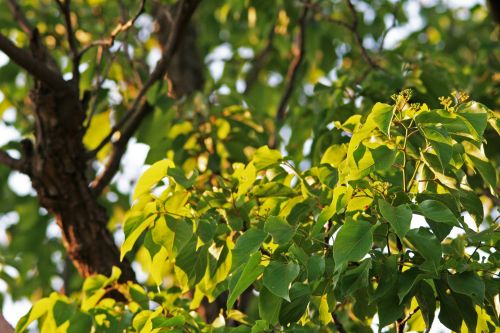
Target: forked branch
column 140, row 108
column 36, row 68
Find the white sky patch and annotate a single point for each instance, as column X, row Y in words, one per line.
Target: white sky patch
column 153, row 57
column 20, row 184
column 132, row 166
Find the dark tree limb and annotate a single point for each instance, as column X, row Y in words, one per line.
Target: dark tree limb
column 13, row 163
column 65, row 8
column 36, row 68
column 139, row 109
column 298, row 50
column 260, row 60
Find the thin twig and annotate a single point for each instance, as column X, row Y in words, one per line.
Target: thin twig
column 13, row 163
column 298, row 49
column 101, row 77
column 357, row 36
column 65, row 8
column 352, row 27
column 400, row 324
column 389, row 28
column 121, row 27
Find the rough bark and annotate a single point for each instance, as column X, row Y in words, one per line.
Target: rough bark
column 58, row 168
column 185, row 71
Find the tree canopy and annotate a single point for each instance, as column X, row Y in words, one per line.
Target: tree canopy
column 312, row 166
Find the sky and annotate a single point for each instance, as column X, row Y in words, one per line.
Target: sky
column 133, row 161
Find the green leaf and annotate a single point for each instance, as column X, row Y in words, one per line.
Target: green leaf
column 265, row 158
column 246, row 245
column 381, row 117
column 269, row 306
column 399, row 217
column 279, row 276
column 454, row 308
column 427, row 302
column 193, row 262
column 334, row 155
column 279, row 228
column 151, row 177
column 486, row 170
column 407, row 281
column 315, row 267
column 428, row 246
column 134, row 228
column 438, row 212
column 180, row 178
column 62, row 312
column 243, row 278
column 468, row 283
column 291, row 312
column 352, row 243
column 39, row 309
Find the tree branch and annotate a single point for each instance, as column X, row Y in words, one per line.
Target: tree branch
column 65, row 8
column 13, row 163
column 5, row 326
column 400, row 324
column 298, row 49
column 352, row 27
column 260, row 60
column 23, row 59
column 19, row 16
column 121, row 27
column 338, row 325
column 119, row 148
column 140, row 108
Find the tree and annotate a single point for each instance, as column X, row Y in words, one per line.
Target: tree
column 282, row 193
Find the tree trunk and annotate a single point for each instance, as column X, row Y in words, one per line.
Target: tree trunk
column 58, row 173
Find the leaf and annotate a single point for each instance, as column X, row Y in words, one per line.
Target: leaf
column 180, row 178
column 265, row 158
column 334, row 155
column 468, row 283
column 269, row 306
column 352, row 243
column 427, row 303
column 315, row 267
column 454, row 308
column 243, row 278
column 291, row 312
column 151, row 177
column 381, row 117
column 134, row 228
column 438, row 212
column 428, row 246
column 193, row 262
column 246, row 245
column 279, row 276
column 37, row 310
column 279, row 228
column 399, row 217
